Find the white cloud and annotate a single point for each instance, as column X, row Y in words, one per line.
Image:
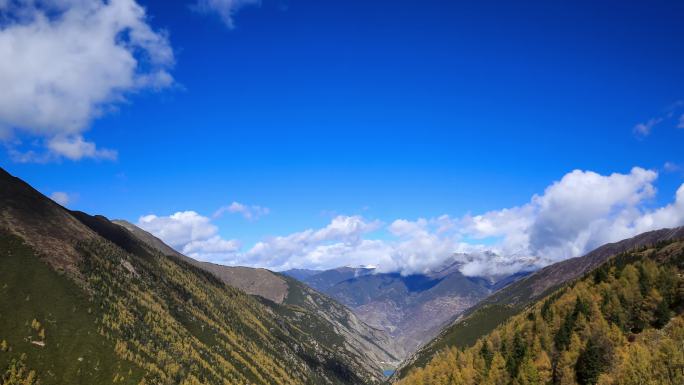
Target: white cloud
column 76, row 148
column 671, row 167
column 490, row 264
column 671, row 215
column 191, row 234
column 251, row 213
column 576, row 214
column 60, row 197
column 225, row 9
column 340, row 242
column 573, row 215
column 180, row 228
column 71, row 62
column 645, row 128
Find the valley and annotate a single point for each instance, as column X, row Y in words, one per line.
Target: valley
column 411, row 309
column 305, row 192
column 88, row 300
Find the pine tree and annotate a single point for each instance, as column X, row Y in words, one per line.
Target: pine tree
column 590, row 364
column 498, row 375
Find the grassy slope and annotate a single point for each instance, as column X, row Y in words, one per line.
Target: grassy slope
column 29, row 289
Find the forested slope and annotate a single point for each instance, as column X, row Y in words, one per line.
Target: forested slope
column 82, row 301
column 621, row 323
column 512, row 299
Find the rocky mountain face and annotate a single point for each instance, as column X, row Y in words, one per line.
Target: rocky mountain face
column 85, row 301
column 464, row 330
column 412, row 309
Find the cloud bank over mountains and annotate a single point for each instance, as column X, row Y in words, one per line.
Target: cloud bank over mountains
column 572, row 216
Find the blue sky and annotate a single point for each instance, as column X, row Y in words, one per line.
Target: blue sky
column 385, row 110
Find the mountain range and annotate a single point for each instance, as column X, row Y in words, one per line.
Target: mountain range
column 411, row 309
column 86, row 300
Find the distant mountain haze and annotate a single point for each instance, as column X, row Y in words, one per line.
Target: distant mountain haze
column 413, row 308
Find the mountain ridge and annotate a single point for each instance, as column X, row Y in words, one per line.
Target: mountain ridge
column 154, row 317
column 618, row 323
column 463, row 330
column 412, row 308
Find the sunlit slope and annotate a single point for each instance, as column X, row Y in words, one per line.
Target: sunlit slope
column 621, row 323
column 323, row 322
column 498, row 307
column 82, row 301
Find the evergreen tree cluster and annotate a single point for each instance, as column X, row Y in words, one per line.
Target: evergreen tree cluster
column 622, row 324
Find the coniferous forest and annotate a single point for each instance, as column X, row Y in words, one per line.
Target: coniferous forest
column 621, row 324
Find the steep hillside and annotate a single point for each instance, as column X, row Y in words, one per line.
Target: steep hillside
column 621, row 324
column 333, row 325
column 259, row 282
column 486, row 315
column 412, row 309
column 83, row 301
column 371, row 344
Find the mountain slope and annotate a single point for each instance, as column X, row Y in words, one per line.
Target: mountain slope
column 486, row 315
column 412, row 309
column 83, row 301
column 621, row 323
column 325, row 318
column 259, row 282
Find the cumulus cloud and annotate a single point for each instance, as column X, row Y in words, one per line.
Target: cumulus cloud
column 576, row 214
column 340, row 240
column 191, row 234
column 225, row 9
column 572, row 216
column 251, row 213
column 60, row 197
column 681, row 122
column 69, row 62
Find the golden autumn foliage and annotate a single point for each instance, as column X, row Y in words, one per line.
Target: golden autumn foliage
column 619, row 325
column 170, row 323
